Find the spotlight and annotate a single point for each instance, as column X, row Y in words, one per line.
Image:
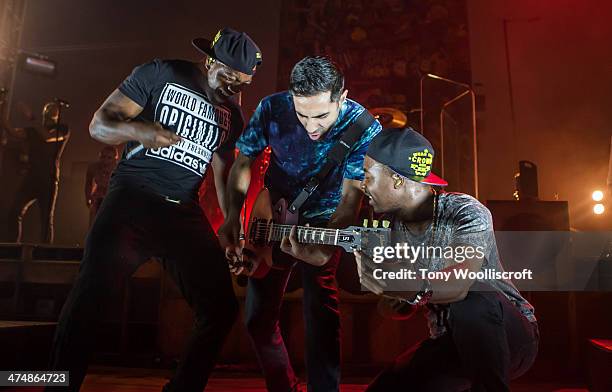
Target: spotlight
column 38, row 64
column 598, row 195
column 598, row 209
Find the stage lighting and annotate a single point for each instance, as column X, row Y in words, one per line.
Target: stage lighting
column 598, row 209
column 598, row 195
column 38, row 64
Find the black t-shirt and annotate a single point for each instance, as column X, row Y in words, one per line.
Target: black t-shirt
column 170, row 93
column 44, row 157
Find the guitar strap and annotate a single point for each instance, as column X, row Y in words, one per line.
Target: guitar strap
column 335, row 156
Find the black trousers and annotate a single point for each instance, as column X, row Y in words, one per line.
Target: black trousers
column 488, row 344
column 321, row 319
column 132, row 226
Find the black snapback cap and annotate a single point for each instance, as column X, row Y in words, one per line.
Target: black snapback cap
column 407, row 153
column 233, row 48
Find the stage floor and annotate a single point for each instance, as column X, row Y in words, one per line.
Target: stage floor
column 152, row 381
column 106, row 379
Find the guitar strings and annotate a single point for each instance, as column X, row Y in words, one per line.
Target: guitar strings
column 262, row 229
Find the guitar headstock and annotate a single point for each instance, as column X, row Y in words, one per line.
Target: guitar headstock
column 363, row 238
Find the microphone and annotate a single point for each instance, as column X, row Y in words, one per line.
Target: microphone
column 62, row 103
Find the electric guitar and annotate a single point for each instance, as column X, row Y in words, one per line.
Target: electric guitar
column 269, row 223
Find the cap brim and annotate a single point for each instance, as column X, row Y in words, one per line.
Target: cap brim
column 203, row 45
column 432, row 179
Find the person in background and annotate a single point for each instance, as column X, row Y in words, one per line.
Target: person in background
column 44, row 148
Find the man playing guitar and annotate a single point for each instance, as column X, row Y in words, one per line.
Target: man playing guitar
column 301, row 126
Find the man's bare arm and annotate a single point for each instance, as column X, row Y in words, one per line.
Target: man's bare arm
column 444, row 291
column 235, row 192
column 454, row 289
column 113, row 124
column 348, row 208
column 221, row 164
column 238, row 185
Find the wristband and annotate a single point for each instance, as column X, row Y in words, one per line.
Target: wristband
column 422, row 297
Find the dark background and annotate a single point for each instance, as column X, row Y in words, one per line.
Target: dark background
column 561, row 68
column 96, row 45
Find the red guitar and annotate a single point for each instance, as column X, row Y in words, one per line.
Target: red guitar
column 269, row 224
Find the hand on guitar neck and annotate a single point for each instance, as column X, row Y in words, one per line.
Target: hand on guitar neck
column 269, row 224
column 310, row 253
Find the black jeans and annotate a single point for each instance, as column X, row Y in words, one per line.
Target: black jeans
column 322, row 325
column 489, row 343
column 132, row 226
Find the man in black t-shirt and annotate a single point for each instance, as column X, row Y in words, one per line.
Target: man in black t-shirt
column 176, row 118
column 44, row 147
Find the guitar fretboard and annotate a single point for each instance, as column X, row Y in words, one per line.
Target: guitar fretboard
column 310, row 235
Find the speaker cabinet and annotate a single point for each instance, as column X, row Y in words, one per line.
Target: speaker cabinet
column 529, row 215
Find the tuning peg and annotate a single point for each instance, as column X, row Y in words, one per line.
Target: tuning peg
column 374, row 223
column 365, row 223
column 386, row 224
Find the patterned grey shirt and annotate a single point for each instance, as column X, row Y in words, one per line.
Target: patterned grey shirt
column 463, row 220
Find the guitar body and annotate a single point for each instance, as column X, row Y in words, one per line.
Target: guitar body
column 258, row 253
column 281, row 214
column 269, row 224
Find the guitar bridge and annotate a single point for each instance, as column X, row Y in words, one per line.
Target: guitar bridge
column 258, row 231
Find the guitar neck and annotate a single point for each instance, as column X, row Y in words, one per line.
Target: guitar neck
column 306, row 234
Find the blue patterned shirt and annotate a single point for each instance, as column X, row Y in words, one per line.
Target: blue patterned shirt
column 296, row 158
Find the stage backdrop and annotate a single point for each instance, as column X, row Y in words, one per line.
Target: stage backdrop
column 384, row 47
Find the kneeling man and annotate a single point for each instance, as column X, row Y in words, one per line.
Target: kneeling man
column 483, row 333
